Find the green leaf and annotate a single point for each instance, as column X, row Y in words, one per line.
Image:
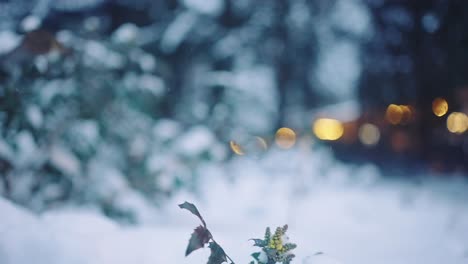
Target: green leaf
column 193, row 209
column 256, row 255
column 199, row 238
column 289, row 246
column 272, row 255
column 288, row 259
column 258, row 242
column 217, row 255
column 267, row 235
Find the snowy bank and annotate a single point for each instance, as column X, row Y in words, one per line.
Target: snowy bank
column 362, row 221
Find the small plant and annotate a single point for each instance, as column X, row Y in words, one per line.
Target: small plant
column 274, row 249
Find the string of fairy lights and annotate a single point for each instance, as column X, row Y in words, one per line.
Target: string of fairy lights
column 368, row 133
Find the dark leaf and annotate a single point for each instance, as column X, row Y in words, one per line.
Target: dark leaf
column 290, row 246
column 271, row 253
column 217, row 255
column 267, row 235
column 288, row 259
column 258, row 242
column 199, row 238
column 193, row 209
column 256, row 255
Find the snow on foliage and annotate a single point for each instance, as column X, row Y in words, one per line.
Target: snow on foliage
column 177, row 31
column 9, row 40
column 126, row 33
column 340, row 59
column 95, row 101
column 207, row 7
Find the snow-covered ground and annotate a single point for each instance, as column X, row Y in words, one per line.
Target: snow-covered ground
column 347, row 212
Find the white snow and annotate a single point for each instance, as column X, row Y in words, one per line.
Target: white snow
column 177, row 31
column 109, row 184
column 263, row 257
column 339, row 64
column 352, row 16
column 195, row 141
column 26, row 149
column 62, row 158
column 54, row 88
column 67, row 5
column 34, row 115
column 106, row 181
column 126, row 33
column 87, row 131
column 249, row 86
column 146, row 82
column 166, row 129
column 343, row 111
column 151, row 83
column 339, row 69
column 8, row 41
column 30, row 23
column 320, row 259
column 6, row 152
column 350, row 220
column 147, row 62
column 97, row 53
column 206, row 7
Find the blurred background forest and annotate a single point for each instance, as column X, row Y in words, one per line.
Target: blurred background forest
column 104, row 97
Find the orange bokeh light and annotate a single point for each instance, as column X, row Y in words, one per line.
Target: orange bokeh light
column 398, row 114
column 394, row 114
column 285, row 138
column 439, row 107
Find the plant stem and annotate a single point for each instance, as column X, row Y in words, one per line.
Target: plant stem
column 230, row 259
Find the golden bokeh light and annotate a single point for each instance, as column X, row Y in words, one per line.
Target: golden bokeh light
column 394, row 114
column 407, row 114
column 236, row 148
column 253, row 146
column 369, row 134
column 399, row 114
column 261, row 143
column 285, row 137
column 457, row 122
column 328, row 129
column 439, row 107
